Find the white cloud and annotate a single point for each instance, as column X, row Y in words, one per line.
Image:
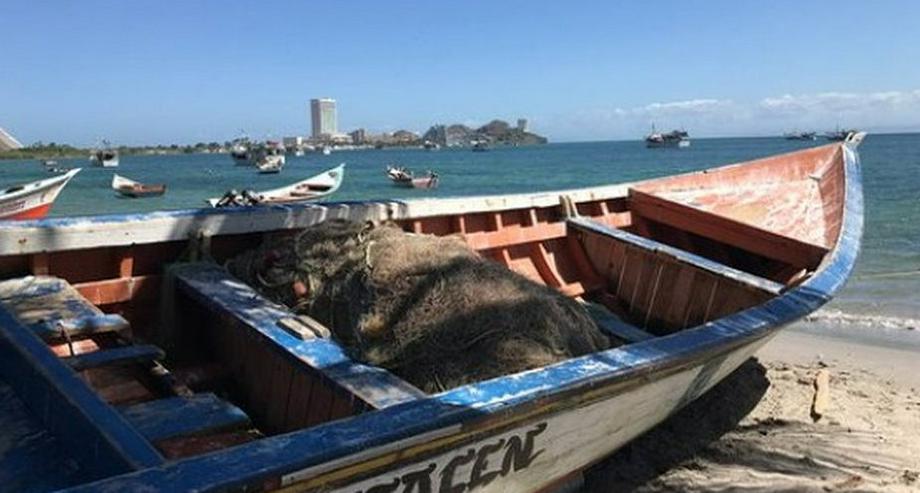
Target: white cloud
column 842, row 102
column 698, row 106
column 769, row 116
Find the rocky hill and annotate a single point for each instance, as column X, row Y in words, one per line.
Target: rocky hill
column 496, row 132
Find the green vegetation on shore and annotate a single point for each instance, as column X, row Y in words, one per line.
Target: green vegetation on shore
column 40, row 150
column 52, row 150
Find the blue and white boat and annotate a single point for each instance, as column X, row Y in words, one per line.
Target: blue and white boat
column 123, row 370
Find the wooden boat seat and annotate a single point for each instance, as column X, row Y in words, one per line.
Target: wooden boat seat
column 172, row 417
column 331, row 384
column 681, row 256
column 726, row 230
column 55, row 310
column 119, row 356
column 613, row 325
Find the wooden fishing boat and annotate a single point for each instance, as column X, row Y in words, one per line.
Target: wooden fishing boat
column 130, row 188
column 270, row 165
column 232, row 392
column 33, row 200
column 105, row 156
column 404, row 177
column 315, row 187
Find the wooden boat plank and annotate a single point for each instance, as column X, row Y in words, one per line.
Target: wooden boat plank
column 298, row 401
column 101, row 440
column 280, row 389
column 611, row 324
column 180, row 416
column 124, row 392
column 31, row 458
column 680, row 255
column 55, row 310
column 188, row 446
column 514, row 235
column 218, row 290
column 320, row 406
column 80, row 327
column 111, row 291
column 125, row 355
column 673, row 315
column 756, row 240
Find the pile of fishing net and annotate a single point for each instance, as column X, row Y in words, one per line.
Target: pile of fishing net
column 427, row 308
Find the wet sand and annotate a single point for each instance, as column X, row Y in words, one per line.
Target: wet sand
column 755, row 430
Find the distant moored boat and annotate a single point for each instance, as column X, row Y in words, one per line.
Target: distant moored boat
column 130, row 188
column 839, row 134
column 312, row 188
column 404, row 177
column 800, row 136
column 674, row 138
column 105, row 156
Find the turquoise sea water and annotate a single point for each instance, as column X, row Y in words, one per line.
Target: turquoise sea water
column 882, row 295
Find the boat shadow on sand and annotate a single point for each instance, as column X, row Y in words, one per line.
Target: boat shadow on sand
column 676, row 441
column 698, row 448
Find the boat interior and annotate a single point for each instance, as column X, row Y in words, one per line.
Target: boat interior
column 151, row 360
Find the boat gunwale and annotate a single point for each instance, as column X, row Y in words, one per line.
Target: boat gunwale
column 502, row 402
column 37, row 186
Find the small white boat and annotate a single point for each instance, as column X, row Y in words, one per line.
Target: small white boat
column 270, row 165
column 33, row 200
column 312, row 188
column 107, row 158
column 241, row 154
column 134, row 189
column 269, row 157
column 404, row 177
column 270, row 160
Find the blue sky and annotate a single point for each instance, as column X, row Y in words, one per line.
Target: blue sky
column 169, row 71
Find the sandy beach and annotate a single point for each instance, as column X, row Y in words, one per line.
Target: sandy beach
column 755, row 431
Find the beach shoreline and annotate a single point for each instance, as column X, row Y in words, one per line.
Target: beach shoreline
column 755, row 431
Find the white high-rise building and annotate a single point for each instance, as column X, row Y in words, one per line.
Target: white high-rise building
column 322, row 115
column 8, row 142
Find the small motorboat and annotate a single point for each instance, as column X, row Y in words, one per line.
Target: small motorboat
column 33, row 200
column 312, row 188
column 800, row 136
column 674, row 138
column 403, row 177
column 268, row 158
column 270, row 165
column 839, row 134
column 480, row 146
column 130, row 188
column 106, row 156
column 51, row 166
column 241, row 154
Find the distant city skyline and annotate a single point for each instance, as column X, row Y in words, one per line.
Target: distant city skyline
column 601, row 71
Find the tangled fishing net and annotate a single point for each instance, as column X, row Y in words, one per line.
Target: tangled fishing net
column 427, row 308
